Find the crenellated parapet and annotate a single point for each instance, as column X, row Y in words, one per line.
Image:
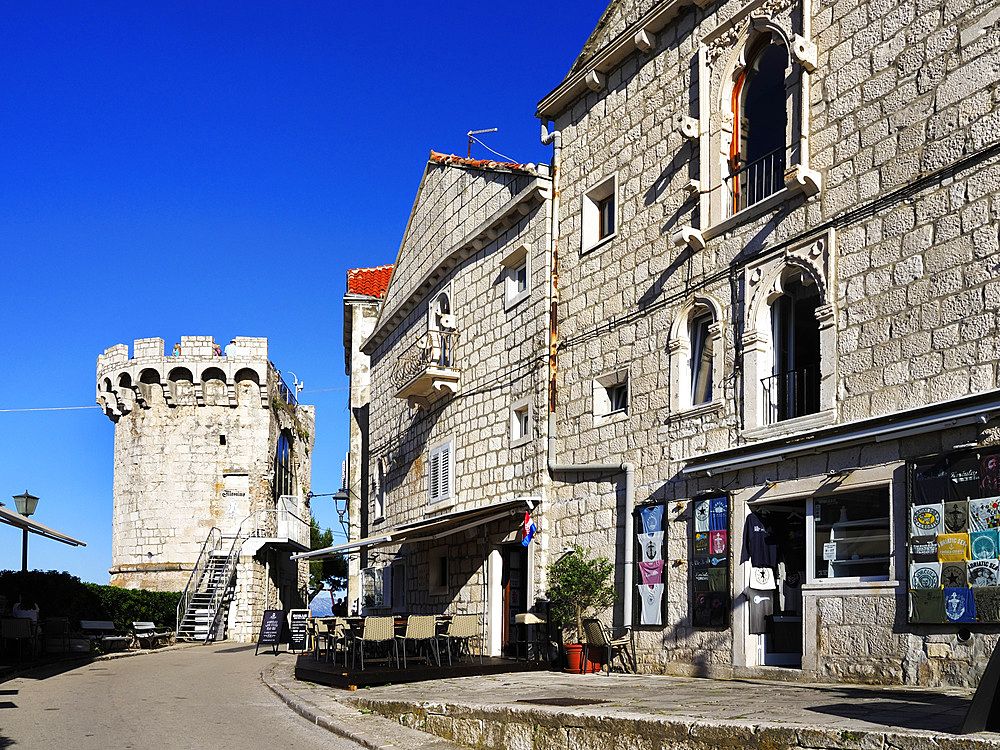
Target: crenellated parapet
column 197, row 376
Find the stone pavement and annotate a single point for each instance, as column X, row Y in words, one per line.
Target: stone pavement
column 555, row 711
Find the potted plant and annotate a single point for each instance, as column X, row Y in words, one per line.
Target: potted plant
column 577, row 583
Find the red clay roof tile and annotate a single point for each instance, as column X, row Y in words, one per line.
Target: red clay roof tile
column 480, row 163
column 371, row 282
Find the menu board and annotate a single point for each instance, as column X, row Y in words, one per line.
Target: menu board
column 298, row 629
column 953, row 550
column 711, row 606
column 270, row 629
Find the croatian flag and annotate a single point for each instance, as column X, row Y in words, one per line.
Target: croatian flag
column 528, row 530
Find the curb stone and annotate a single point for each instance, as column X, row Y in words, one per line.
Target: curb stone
column 370, row 731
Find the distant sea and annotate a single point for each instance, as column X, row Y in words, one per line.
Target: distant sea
column 322, row 604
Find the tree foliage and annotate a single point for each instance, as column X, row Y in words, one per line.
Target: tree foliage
column 577, row 583
column 328, row 572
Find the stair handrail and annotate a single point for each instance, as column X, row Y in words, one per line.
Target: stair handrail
column 214, row 539
column 232, row 559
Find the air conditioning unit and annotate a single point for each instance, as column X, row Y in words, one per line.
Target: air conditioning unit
column 448, row 322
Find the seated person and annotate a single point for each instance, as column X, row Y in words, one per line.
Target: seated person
column 26, row 608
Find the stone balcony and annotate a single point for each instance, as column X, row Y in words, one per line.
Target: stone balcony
column 427, row 370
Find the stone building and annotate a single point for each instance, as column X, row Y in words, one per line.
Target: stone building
column 768, row 242
column 365, row 291
column 211, row 479
column 789, row 332
column 457, row 394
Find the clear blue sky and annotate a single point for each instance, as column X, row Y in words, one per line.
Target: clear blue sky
column 182, row 168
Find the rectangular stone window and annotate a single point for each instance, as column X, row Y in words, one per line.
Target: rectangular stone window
column 599, row 217
column 611, row 396
column 516, row 276
column 440, row 465
column 520, row 422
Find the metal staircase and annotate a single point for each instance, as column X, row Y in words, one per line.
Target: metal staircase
column 205, row 600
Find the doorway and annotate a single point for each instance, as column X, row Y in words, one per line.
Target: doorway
column 513, row 593
column 777, row 549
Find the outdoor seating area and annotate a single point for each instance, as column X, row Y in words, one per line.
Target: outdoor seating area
column 354, row 652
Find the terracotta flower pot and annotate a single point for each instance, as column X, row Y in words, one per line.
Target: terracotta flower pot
column 574, row 659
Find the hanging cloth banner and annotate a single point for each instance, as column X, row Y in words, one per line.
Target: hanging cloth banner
column 528, row 529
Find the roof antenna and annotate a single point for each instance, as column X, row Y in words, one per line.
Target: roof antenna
column 478, row 132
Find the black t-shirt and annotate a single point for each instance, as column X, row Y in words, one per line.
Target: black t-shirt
column 758, row 543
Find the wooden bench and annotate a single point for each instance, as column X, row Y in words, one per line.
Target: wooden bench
column 147, row 636
column 102, row 633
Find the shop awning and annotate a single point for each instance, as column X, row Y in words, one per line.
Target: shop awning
column 430, row 528
column 13, row 518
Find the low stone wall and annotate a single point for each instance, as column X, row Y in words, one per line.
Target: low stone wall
column 503, row 728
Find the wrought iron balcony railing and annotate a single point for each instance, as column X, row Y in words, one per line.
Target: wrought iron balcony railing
column 790, row 394
column 753, row 182
column 428, row 366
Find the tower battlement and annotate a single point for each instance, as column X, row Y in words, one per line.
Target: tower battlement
column 196, row 377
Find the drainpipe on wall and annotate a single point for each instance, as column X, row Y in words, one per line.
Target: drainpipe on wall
column 555, row 138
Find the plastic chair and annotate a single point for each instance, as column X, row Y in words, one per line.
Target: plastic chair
column 377, row 630
column 421, row 629
column 464, row 629
column 597, row 636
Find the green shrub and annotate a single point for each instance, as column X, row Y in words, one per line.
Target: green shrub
column 63, row 595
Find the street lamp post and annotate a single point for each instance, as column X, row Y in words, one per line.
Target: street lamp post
column 26, row 505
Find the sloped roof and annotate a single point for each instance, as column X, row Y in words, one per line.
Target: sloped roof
column 481, row 163
column 616, row 36
column 371, row 282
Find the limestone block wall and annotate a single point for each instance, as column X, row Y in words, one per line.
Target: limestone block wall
column 903, row 125
column 500, row 354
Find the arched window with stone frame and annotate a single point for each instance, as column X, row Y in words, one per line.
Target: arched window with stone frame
column 753, row 114
column 789, row 341
column 696, row 355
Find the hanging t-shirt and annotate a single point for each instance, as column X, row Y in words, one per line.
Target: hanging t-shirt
column 761, row 608
column 923, row 549
column 718, row 579
column 650, row 546
column 717, row 542
column 651, row 572
column 759, row 545
column 718, row 513
column 925, row 575
column 762, row 579
column 953, row 547
column 959, row 605
column 984, row 572
column 927, row 519
column 954, row 574
column 984, row 513
column 791, row 589
column 700, row 580
column 927, row 605
column 701, row 515
column 987, row 603
column 652, row 518
column 718, row 610
column 983, row 545
column 956, row 517
column 701, row 542
column 650, row 596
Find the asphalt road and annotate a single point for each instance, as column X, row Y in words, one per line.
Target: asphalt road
column 203, row 697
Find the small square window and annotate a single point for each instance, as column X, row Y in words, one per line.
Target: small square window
column 599, row 214
column 520, row 422
column 611, row 395
column 516, row 276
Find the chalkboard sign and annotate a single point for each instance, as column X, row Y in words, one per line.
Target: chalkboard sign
column 299, row 629
column 270, row 629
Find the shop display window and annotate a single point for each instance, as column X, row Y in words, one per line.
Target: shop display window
column 851, row 533
column 709, row 558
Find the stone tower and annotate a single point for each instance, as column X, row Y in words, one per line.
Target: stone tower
column 208, row 446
